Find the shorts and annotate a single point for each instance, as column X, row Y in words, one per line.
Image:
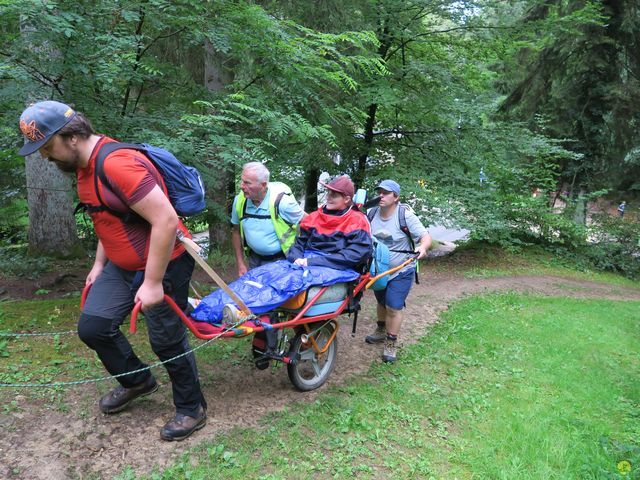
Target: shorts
column 397, row 290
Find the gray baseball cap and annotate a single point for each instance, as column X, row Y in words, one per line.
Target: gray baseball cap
column 389, row 186
column 40, row 121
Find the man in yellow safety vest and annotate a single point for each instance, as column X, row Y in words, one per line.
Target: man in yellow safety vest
column 264, row 219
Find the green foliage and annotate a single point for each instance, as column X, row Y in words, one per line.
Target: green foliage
column 385, row 88
column 615, row 245
column 16, row 261
column 13, row 206
column 576, row 66
column 289, row 93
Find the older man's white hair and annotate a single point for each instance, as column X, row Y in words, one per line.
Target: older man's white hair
column 261, row 172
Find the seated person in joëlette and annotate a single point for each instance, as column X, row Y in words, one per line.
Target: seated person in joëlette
column 339, row 231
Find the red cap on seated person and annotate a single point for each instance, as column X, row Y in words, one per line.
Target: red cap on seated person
column 341, row 184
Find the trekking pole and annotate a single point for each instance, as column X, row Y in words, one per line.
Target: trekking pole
column 195, row 251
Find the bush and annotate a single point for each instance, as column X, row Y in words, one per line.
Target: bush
column 15, row 261
column 614, row 245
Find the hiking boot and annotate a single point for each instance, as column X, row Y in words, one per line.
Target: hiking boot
column 378, row 336
column 117, row 399
column 181, row 426
column 389, row 353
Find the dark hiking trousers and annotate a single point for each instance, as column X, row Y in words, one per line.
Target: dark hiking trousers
column 256, row 260
column 110, row 300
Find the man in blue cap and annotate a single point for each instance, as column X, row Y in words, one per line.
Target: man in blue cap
column 386, row 227
column 135, row 262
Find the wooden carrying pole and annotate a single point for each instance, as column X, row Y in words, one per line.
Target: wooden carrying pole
column 194, row 250
column 390, row 271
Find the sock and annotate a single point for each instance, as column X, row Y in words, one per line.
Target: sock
column 392, row 338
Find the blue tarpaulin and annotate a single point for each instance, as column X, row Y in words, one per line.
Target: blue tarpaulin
column 267, row 287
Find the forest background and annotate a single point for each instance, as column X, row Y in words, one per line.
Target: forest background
column 489, row 113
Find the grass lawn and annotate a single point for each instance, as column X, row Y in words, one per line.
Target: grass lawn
column 53, row 359
column 505, row 386
column 485, row 261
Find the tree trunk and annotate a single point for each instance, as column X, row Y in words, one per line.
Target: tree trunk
column 385, row 42
column 222, row 191
column 369, row 125
column 311, row 177
column 52, row 225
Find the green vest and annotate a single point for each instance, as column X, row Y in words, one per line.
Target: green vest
column 286, row 232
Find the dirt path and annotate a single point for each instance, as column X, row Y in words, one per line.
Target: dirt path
column 43, row 443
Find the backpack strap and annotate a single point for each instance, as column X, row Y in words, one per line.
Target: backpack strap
column 402, row 220
column 244, row 213
column 105, row 151
column 284, row 237
column 241, row 217
column 251, row 215
column 372, row 213
column 276, row 206
column 403, row 226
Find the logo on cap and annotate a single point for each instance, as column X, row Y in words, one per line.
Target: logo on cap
column 30, row 130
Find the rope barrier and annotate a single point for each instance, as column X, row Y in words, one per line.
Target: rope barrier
column 47, row 189
column 44, row 334
column 101, row 379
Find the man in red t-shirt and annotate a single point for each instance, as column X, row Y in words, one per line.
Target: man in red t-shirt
column 136, row 261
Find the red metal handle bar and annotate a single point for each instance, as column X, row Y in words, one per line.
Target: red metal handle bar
column 85, row 292
column 133, row 328
column 299, row 318
column 191, row 324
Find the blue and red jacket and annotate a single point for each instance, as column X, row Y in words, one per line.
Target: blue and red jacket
column 344, row 237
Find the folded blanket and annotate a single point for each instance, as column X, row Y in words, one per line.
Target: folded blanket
column 265, row 288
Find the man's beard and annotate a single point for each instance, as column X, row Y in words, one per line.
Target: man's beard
column 67, row 167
